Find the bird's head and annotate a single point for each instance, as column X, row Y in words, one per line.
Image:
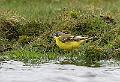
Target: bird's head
column 57, row 34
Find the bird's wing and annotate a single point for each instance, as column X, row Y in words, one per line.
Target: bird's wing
column 68, row 38
column 78, row 38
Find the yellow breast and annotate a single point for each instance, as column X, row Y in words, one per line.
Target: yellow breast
column 68, row 45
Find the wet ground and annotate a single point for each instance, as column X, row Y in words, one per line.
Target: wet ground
column 14, row 71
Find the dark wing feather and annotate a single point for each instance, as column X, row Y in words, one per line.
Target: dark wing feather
column 68, row 37
column 78, row 38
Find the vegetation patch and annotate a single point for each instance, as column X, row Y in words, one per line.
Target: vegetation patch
column 29, row 39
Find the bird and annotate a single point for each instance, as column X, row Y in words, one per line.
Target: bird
column 68, row 41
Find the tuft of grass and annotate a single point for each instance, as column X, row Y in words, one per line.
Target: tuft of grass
column 31, row 56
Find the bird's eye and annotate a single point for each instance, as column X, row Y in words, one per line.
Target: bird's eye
column 57, row 34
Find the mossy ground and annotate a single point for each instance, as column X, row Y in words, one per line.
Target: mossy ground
column 26, row 28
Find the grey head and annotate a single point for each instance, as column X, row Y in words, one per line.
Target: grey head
column 57, row 34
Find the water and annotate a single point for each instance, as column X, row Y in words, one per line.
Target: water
column 14, row 71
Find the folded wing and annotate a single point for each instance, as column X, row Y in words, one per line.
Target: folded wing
column 69, row 38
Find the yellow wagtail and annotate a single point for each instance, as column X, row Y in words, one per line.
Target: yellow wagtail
column 67, row 41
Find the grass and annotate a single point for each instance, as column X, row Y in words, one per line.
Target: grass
column 26, row 28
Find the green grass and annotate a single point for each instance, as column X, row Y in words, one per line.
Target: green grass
column 37, row 8
column 26, row 28
column 48, row 8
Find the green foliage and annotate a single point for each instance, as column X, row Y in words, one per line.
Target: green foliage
column 33, row 28
column 39, row 19
column 24, row 40
column 25, row 55
column 9, row 24
column 31, row 56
